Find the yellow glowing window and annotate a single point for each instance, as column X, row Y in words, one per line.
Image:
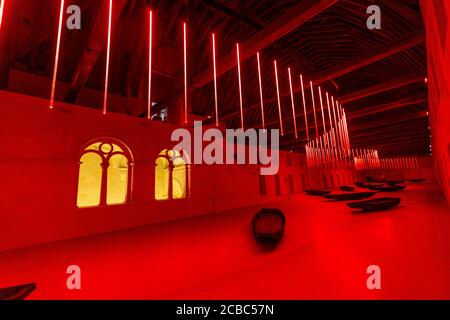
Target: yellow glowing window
column 104, row 175
column 171, row 176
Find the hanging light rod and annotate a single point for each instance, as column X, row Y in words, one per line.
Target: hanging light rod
column 215, row 79
column 260, row 90
column 58, row 45
column 108, row 53
column 185, row 73
column 2, row 6
column 150, row 64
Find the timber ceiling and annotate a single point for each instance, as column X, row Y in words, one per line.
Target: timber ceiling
column 378, row 75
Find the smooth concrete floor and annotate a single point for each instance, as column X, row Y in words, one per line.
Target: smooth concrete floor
column 324, row 255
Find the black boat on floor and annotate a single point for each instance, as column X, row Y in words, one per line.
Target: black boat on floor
column 390, row 188
column 371, row 186
column 417, row 180
column 375, row 204
column 349, row 196
column 268, row 226
column 17, row 292
column 394, row 182
column 347, row 188
column 314, row 192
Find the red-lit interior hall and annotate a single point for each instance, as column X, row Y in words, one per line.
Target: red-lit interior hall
column 93, row 91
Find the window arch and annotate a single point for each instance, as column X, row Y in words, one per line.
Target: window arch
column 172, row 176
column 104, row 176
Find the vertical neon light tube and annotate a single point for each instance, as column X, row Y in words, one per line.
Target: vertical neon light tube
column 321, row 150
column 2, row 6
column 278, row 97
column 108, row 52
column 240, row 85
column 292, row 103
column 321, row 108
column 347, row 138
column 215, row 79
column 314, row 108
column 304, row 108
column 325, row 138
column 260, row 90
column 339, row 116
column 332, row 136
column 58, row 45
column 341, row 137
column 185, row 73
column 344, row 132
column 336, row 132
column 150, row 55
column 344, row 121
column 329, row 111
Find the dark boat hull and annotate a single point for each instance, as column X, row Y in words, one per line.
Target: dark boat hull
column 350, row 196
column 417, row 180
column 17, row 292
column 268, row 226
column 375, row 204
column 313, row 192
column 390, row 188
column 371, row 186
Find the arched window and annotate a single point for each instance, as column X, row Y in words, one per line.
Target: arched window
column 172, row 176
column 104, row 175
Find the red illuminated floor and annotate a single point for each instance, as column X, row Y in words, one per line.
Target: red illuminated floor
column 324, row 255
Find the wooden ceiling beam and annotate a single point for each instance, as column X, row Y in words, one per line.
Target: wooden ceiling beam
column 282, row 26
column 294, row 18
column 396, row 47
column 392, row 129
column 353, row 115
column 388, row 107
column 380, row 88
column 380, row 123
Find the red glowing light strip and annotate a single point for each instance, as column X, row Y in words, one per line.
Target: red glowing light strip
column 185, row 73
column 278, row 96
column 322, row 156
column 341, row 121
column 304, row 108
column 336, row 132
column 344, row 135
column 108, row 52
column 341, row 135
column 321, row 108
column 339, row 116
column 292, row 102
column 332, row 133
column 260, row 90
column 240, row 85
column 323, row 120
column 150, row 54
column 329, row 111
column 314, row 108
column 58, row 45
column 344, row 121
column 344, row 130
column 215, row 79
column 2, row 5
